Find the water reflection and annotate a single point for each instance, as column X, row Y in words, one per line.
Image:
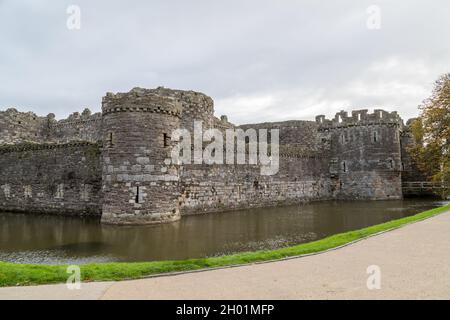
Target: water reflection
column 50, row 239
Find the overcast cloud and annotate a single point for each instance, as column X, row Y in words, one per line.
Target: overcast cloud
column 259, row 60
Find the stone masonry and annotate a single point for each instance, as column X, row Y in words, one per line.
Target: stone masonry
column 115, row 164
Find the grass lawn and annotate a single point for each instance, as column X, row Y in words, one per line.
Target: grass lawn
column 12, row 274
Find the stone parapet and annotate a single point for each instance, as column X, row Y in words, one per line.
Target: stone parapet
column 359, row 118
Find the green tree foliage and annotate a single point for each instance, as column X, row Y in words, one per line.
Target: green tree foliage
column 431, row 132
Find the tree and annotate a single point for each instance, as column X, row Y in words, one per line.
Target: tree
column 431, row 132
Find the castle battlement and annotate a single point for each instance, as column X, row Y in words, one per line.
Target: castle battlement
column 359, row 118
column 141, row 100
column 75, row 119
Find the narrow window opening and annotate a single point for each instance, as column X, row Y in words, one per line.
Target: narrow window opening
column 375, row 136
column 110, row 140
column 166, row 140
column 391, row 163
column 359, row 116
column 344, row 166
column 136, row 200
column 339, row 119
column 381, row 114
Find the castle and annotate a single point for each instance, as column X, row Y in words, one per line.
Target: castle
column 113, row 164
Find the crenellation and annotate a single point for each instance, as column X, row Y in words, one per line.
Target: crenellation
column 17, row 127
column 23, row 127
column 359, row 118
column 77, row 127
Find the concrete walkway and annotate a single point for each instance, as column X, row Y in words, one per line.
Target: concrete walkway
column 414, row 262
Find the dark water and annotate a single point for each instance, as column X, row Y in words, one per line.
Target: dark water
column 52, row 240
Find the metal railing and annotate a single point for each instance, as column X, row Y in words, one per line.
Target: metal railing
column 424, row 187
column 425, row 184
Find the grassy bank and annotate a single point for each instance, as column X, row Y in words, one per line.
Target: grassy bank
column 25, row 274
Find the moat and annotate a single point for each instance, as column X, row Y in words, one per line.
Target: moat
column 52, row 240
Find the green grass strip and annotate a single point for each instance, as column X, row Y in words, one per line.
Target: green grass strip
column 12, row 274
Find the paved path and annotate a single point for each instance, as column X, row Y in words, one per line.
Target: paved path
column 414, row 263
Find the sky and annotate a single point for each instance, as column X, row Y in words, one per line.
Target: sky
column 259, row 60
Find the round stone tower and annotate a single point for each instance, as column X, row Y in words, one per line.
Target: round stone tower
column 195, row 106
column 140, row 185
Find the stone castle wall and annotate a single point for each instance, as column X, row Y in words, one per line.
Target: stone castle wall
column 115, row 163
column 302, row 137
column 77, row 127
column 17, row 127
column 209, row 188
column 43, row 178
column 302, row 176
